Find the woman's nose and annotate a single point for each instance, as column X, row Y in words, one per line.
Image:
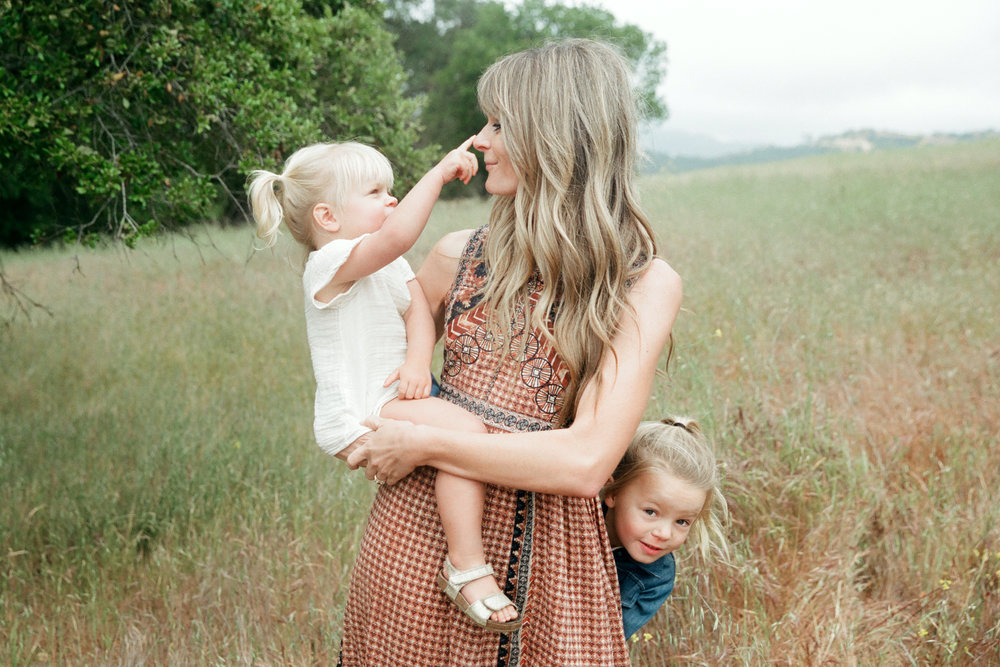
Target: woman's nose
column 481, row 142
column 392, row 201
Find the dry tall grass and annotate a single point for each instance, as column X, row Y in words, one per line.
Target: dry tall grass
column 841, row 333
column 162, row 502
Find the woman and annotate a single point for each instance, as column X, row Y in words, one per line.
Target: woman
column 555, row 316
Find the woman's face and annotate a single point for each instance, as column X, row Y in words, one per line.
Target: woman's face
column 502, row 179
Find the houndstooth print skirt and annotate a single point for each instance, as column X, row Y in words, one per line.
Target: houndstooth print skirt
column 551, row 553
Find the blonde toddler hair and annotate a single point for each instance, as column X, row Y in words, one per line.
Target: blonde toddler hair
column 677, row 447
column 313, row 174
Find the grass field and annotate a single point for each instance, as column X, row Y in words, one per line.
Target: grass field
column 162, row 500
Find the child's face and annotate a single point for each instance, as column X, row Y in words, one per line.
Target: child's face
column 365, row 209
column 652, row 515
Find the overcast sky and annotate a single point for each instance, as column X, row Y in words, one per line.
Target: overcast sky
column 777, row 71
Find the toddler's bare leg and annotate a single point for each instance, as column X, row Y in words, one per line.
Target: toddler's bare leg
column 460, row 501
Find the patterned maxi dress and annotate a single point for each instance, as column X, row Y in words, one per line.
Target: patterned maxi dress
column 551, row 553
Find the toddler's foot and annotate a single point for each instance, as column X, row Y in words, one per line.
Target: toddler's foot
column 476, row 592
column 483, row 587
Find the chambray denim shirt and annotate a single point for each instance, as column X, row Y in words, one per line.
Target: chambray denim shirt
column 644, row 588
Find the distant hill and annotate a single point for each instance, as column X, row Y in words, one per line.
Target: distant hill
column 702, row 154
column 663, row 139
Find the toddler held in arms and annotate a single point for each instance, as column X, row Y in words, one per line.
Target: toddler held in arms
column 664, row 490
column 370, row 330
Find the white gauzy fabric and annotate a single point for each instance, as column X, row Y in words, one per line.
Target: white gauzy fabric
column 356, row 340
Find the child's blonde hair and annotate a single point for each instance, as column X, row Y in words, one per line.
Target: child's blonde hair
column 317, row 173
column 677, row 446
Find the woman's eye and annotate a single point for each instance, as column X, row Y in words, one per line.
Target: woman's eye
column 496, row 127
column 683, row 522
column 650, row 512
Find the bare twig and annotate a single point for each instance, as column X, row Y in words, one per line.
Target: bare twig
column 22, row 302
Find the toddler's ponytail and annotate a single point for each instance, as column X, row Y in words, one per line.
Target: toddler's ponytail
column 265, row 193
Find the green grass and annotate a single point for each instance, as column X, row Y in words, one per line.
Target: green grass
column 162, row 499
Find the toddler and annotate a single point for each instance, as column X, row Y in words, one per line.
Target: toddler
column 664, row 490
column 370, row 331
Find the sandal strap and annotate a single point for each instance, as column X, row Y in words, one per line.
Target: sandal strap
column 461, row 577
column 481, row 610
column 497, row 601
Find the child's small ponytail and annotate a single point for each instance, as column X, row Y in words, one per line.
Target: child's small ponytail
column 266, row 194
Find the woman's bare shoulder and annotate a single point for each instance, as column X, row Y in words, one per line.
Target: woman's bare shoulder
column 660, row 278
column 657, row 295
column 441, row 263
column 452, row 245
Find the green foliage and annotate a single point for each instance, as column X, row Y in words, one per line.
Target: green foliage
column 446, row 51
column 122, row 117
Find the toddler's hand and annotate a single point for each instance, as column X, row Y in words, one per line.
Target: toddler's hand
column 414, row 381
column 459, row 163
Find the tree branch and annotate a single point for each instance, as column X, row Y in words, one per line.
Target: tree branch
column 21, row 301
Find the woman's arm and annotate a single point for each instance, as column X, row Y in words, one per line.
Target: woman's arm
column 437, row 274
column 575, row 461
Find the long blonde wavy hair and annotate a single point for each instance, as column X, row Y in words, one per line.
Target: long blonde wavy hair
column 568, row 116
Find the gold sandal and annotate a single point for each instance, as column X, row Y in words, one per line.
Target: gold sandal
column 480, row 610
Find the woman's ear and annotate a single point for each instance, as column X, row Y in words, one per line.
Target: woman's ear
column 609, row 498
column 324, row 218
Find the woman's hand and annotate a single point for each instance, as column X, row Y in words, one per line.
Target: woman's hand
column 389, row 453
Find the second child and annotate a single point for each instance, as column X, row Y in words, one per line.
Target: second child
column 664, row 490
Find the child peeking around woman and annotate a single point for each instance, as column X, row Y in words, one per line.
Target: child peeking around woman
column 663, row 491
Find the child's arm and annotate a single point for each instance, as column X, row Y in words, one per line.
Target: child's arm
column 415, row 374
column 403, row 226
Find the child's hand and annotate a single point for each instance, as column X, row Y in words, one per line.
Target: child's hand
column 459, row 163
column 414, row 381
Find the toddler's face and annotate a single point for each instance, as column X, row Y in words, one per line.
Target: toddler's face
column 365, row 210
column 652, row 515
